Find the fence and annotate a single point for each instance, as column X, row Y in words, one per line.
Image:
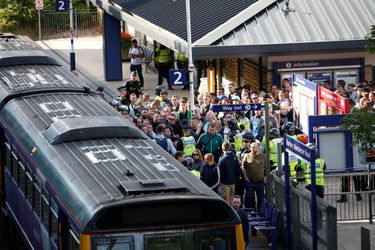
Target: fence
column 356, row 193
column 56, row 24
column 301, row 217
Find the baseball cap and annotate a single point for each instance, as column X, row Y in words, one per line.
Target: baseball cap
column 236, row 98
column 222, row 97
column 133, row 73
column 134, row 40
column 358, row 86
column 123, row 108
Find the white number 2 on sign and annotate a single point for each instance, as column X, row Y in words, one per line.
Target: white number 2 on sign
column 61, row 5
column 178, row 79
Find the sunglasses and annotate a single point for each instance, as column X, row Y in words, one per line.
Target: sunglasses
column 246, row 141
column 195, row 154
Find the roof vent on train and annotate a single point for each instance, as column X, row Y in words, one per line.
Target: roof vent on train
column 23, row 57
column 85, row 128
column 7, row 35
column 151, row 186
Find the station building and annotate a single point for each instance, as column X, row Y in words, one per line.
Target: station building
column 256, row 42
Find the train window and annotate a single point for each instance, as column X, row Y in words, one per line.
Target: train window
column 219, row 239
column 22, row 176
column 13, row 169
column 37, row 195
column 161, row 242
column 54, row 222
column 8, row 155
column 118, row 243
column 29, row 184
column 45, row 208
column 73, row 241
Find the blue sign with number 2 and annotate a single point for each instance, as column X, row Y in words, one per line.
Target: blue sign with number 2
column 177, row 77
column 61, row 5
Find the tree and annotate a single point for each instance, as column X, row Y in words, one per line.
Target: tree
column 371, row 39
column 361, row 122
column 20, row 16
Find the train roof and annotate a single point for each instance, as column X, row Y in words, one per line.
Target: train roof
column 93, row 157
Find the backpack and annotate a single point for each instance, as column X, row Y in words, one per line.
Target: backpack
column 162, row 143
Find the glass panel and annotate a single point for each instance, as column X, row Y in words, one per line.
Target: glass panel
column 120, row 243
column 73, row 242
column 22, row 176
column 45, row 208
column 54, row 223
column 29, row 184
column 37, row 196
column 216, row 240
column 14, row 170
column 163, row 242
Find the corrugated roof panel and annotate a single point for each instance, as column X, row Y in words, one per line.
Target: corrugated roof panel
column 205, row 15
column 17, row 43
column 278, row 20
column 243, row 35
column 336, row 19
column 27, row 77
column 307, row 21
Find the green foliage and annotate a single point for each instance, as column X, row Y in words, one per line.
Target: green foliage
column 371, row 39
column 361, row 122
column 18, row 16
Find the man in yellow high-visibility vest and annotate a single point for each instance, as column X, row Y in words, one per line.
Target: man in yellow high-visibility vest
column 163, row 63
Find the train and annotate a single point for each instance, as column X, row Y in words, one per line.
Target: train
column 75, row 174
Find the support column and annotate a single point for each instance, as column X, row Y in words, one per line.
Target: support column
column 112, row 48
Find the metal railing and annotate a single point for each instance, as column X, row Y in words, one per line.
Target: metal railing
column 301, row 216
column 352, row 194
column 56, row 24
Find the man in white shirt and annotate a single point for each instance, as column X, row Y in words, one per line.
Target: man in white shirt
column 136, row 55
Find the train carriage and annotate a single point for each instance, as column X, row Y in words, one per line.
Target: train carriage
column 76, row 175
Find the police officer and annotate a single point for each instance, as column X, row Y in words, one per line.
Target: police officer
column 163, row 63
column 274, row 141
column 187, row 142
column 289, row 128
column 320, row 166
column 248, row 138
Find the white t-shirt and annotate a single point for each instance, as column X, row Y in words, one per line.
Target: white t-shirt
column 137, row 51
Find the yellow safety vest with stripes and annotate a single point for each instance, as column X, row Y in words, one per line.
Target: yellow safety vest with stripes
column 164, row 55
column 273, row 150
column 189, row 145
column 319, row 174
column 181, row 57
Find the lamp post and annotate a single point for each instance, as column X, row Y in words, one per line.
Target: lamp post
column 72, row 54
column 266, row 99
column 190, row 55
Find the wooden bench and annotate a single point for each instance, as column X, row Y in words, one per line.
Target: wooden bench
column 149, row 54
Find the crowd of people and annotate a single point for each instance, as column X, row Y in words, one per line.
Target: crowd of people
column 224, row 150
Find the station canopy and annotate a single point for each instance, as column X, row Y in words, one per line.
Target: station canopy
column 231, row 29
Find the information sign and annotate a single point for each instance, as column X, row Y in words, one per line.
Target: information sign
column 304, row 101
column 236, row 107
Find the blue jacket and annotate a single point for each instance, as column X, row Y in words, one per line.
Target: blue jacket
column 229, row 167
column 210, row 176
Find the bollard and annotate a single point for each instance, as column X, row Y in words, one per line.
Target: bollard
column 365, row 238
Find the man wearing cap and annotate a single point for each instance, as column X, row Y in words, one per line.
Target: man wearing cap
column 136, row 54
column 122, row 97
column 187, row 142
column 133, row 85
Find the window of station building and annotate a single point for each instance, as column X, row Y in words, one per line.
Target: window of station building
column 73, row 240
column 29, row 184
column 8, row 155
column 54, row 225
column 37, row 196
column 14, row 168
column 45, row 208
column 22, row 176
